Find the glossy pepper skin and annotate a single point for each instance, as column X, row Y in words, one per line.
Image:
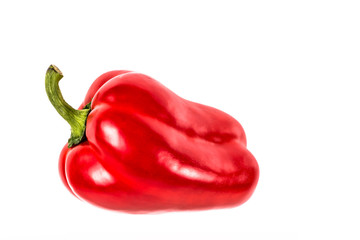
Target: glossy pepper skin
column 145, row 149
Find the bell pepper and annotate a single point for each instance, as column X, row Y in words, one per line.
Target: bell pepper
column 137, row 147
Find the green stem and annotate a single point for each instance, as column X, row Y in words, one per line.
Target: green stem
column 76, row 118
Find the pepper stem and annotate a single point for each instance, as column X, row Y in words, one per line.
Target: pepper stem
column 76, row 118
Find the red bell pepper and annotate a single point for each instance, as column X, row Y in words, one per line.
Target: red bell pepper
column 137, row 147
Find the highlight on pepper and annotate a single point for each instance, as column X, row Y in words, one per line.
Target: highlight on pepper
column 137, row 147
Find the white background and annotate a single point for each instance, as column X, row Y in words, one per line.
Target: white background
column 287, row 70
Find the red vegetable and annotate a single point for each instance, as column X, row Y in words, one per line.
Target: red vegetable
column 137, row 147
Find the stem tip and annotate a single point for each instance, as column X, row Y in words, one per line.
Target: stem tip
column 55, row 68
